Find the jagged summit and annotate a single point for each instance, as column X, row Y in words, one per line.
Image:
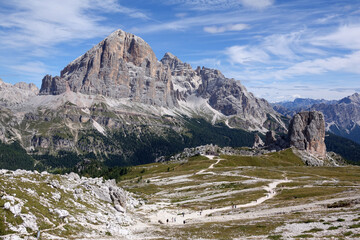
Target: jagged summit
column 121, row 66
column 355, row 98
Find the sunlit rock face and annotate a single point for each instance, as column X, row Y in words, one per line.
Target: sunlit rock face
column 307, row 132
column 121, row 66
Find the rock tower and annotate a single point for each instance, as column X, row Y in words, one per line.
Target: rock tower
column 307, row 132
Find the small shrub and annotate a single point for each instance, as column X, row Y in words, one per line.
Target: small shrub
column 357, row 225
column 304, row 236
column 314, row 230
column 275, row 237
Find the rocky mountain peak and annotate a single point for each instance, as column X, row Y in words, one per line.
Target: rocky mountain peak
column 176, row 66
column 307, row 132
column 355, row 98
column 121, row 66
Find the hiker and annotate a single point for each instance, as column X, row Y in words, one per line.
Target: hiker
column 167, row 220
column 184, row 221
column 183, row 214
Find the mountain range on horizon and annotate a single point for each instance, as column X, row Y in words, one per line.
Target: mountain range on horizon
column 120, row 104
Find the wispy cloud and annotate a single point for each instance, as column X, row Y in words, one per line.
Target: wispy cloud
column 349, row 63
column 347, row 36
column 259, row 4
column 215, row 5
column 226, row 28
column 244, row 55
column 31, row 68
column 38, row 23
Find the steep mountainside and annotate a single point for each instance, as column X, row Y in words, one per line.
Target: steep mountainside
column 342, row 117
column 118, row 103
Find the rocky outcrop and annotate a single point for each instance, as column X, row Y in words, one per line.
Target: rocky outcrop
column 16, row 95
column 258, row 142
column 94, row 205
column 27, row 86
column 121, row 66
column 307, row 132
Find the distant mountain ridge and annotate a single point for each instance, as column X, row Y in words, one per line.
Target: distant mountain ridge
column 290, row 108
column 342, row 117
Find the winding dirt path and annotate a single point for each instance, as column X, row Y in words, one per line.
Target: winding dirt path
column 195, row 216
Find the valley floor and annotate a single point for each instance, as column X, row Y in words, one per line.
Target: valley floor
column 210, row 197
column 272, row 196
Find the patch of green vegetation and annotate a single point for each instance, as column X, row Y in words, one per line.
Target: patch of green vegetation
column 7, row 217
column 304, row 236
column 355, row 225
column 13, row 156
column 275, row 237
column 282, row 158
column 347, row 234
column 333, row 228
column 314, row 230
column 63, row 159
column 233, row 230
column 309, row 192
column 308, row 221
column 346, row 148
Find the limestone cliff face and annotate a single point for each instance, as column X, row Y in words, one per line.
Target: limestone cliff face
column 121, row 66
column 307, row 132
column 227, row 96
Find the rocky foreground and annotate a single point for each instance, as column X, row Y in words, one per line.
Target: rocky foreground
column 60, row 206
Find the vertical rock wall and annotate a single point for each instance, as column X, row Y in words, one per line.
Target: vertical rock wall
column 307, row 132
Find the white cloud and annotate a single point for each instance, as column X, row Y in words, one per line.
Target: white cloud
column 259, row 4
column 244, row 54
column 225, row 28
column 47, row 23
column 348, row 63
column 347, row 36
column 215, row 5
column 31, row 68
column 282, row 44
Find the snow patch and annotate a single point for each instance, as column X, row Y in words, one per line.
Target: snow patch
column 98, row 127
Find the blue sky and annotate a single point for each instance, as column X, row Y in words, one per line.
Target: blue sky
column 278, row 49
